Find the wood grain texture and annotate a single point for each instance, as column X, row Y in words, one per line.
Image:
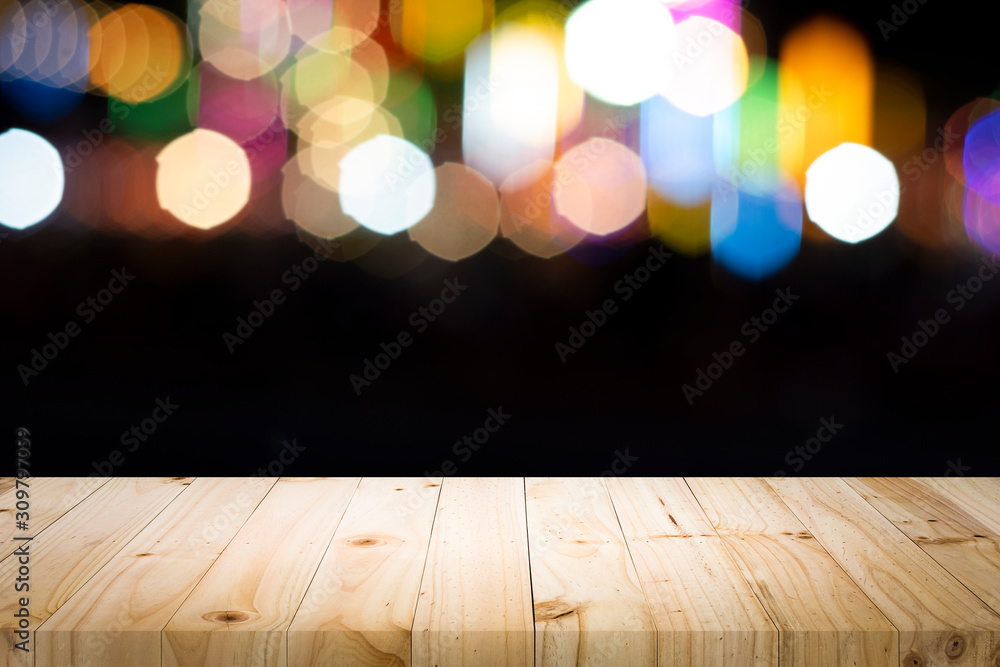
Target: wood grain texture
column 574, row 540
column 6, row 484
column 940, row 525
column 475, row 605
column 49, row 498
column 401, row 572
column 239, row 611
column 940, row 622
column 823, row 618
column 117, row 617
column 705, row 611
column 359, row 607
column 64, row 556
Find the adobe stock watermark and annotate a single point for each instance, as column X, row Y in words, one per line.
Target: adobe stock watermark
column 564, row 523
column 295, row 276
column 920, row 163
column 420, row 319
column 73, row 156
column 927, row 329
column 236, row 511
column 613, row 130
column 405, row 165
column 900, row 14
column 468, row 444
column 135, row 436
column 627, row 286
column 752, row 329
column 798, row 456
column 696, row 45
column 956, row 469
column 209, row 191
column 789, row 123
column 463, row 448
column 59, row 341
column 873, row 214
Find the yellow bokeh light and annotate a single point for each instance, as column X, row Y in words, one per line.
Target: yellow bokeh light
column 826, row 92
column 138, row 53
column 439, row 30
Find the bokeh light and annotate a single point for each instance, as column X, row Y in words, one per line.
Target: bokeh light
column 676, row 149
column 465, row 216
column 311, row 205
column 527, row 213
column 852, row 192
column 244, row 40
column 756, row 234
column 711, row 67
column 387, row 184
column 138, row 53
column 203, row 178
column 602, row 186
column 32, row 179
column 439, row 30
column 621, row 51
column 826, row 92
column 981, row 160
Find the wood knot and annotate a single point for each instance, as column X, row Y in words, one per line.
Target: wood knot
column 226, row 616
column 913, row 660
column 178, row 478
column 804, row 536
column 367, row 542
column 955, row 646
column 144, row 554
column 553, row 609
column 427, row 485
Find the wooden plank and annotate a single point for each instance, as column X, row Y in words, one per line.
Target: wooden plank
column 937, row 522
column 49, row 498
column 939, row 621
column 6, row 484
column 823, row 618
column 977, row 496
column 359, row 608
column 705, row 611
column 475, row 597
column 64, row 556
column 116, row 618
column 574, row 541
column 239, row 611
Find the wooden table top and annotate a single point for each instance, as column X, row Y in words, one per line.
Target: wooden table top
column 500, row 571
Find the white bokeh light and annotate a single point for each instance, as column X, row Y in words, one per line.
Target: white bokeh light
column 852, row 192
column 621, row 51
column 32, row 179
column 387, row 184
column 711, row 67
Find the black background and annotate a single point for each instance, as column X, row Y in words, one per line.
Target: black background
column 495, row 346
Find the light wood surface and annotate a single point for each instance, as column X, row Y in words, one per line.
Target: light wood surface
column 118, row 616
column 940, row 622
column 705, row 611
column 359, row 607
column 574, row 540
column 474, row 606
column 503, row 572
column 823, row 617
column 239, row 611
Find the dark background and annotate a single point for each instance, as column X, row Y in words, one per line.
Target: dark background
column 495, row 346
